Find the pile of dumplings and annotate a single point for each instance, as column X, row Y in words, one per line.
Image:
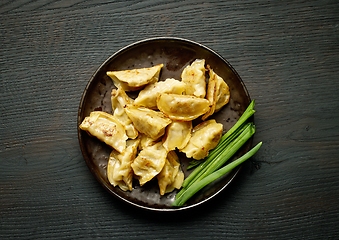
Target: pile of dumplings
column 146, row 132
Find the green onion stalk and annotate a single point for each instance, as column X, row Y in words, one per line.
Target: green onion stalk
column 228, row 145
column 198, row 185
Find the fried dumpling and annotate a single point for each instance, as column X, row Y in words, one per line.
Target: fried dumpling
column 171, row 175
column 119, row 169
column 205, row 137
column 178, row 133
column 148, row 96
column 146, row 141
column 106, row 128
column 182, row 107
column 149, row 162
column 218, row 93
column 135, row 79
column 147, row 121
column 119, row 100
column 194, row 77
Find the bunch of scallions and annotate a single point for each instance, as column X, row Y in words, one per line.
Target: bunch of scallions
column 210, row 169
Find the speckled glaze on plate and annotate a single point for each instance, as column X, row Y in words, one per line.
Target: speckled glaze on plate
column 175, row 54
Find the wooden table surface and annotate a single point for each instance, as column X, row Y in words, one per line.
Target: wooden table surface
column 287, row 54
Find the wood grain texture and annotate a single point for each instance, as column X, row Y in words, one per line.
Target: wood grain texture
column 287, row 55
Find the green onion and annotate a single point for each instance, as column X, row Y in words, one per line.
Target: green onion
column 246, row 115
column 227, row 137
column 223, row 143
column 229, row 151
column 222, row 147
column 196, row 186
column 213, row 154
column 228, row 145
column 209, row 167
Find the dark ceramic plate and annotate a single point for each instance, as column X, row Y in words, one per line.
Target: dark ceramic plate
column 175, row 54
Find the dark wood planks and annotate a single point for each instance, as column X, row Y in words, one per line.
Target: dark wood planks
column 286, row 53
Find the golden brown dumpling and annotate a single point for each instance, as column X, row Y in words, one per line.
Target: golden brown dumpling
column 119, row 169
column 146, row 141
column 182, row 107
column 194, row 77
column 178, row 133
column 106, row 128
column 205, row 137
column 171, row 175
column 147, row 121
column 119, row 100
column 135, row 79
column 149, row 162
column 148, row 96
column 218, row 93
